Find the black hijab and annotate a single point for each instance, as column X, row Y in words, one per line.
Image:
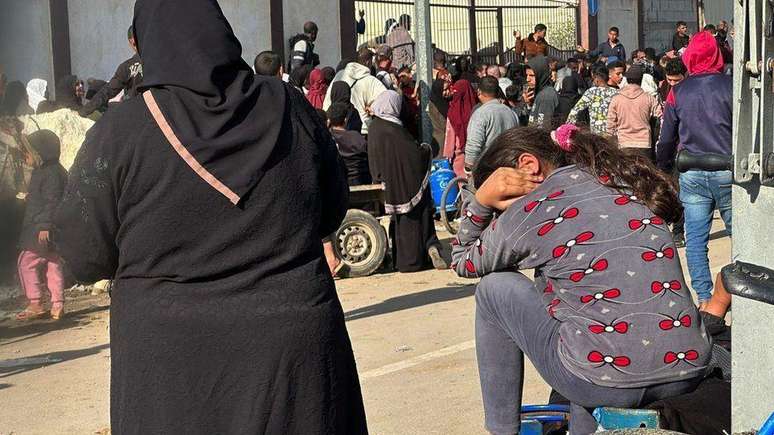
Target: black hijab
column 542, row 69
column 225, row 116
column 66, row 97
column 341, row 93
column 15, row 94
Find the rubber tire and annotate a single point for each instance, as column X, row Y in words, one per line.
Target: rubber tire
column 369, row 228
column 457, row 181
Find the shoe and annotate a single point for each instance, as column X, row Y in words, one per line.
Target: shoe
column 435, row 255
column 57, row 313
column 679, row 240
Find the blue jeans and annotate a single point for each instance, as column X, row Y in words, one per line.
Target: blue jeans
column 701, row 192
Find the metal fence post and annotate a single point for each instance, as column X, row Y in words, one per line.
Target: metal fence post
column 473, row 31
column 424, row 56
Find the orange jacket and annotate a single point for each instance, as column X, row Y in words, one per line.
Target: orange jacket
column 530, row 48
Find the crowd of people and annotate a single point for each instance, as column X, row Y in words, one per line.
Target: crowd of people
column 570, row 165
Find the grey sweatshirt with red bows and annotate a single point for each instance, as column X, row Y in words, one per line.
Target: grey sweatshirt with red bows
column 605, row 267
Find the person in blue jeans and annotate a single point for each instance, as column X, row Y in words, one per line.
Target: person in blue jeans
column 698, row 119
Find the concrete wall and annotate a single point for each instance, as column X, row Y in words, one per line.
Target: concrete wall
column 716, row 10
column 98, row 41
column 621, row 14
column 660, row 19
column 25, row 40
column 326, row 14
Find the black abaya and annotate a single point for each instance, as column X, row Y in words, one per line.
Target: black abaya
column 224, row 318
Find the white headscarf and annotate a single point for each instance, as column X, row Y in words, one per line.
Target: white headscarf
column 387, row 106
column 36, row 92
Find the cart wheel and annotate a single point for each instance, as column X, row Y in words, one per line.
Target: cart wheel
column 361, row 244
column 451, row 206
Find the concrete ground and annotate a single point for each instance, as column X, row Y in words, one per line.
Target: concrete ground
column 412, row 336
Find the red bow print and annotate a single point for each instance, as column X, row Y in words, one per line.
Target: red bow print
column 636, row 224
column 582, row 238
column 620, row 327
column 606, row 295
column 479, row 246
column 532, row 205
column 567, row 214
column 617, row 361
column 626, row 199
column 670, row 323
column 688, row 355
column 478, row 220
column 470, row 267
column 658, row 287
column 599, row 266
column 604, row 179
column 655, row 255
column 455, row 241
column 552, row 307
column 549, row 288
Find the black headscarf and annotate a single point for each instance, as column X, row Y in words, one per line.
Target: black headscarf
column 436, row 97
column 225, row 116
column 540, row 66
column 66, row 97
column 15, row 94
column 341, row 93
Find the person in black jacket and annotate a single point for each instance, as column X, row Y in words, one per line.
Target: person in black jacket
column 302, row 48
column 681, row 38
column 127, row 78
column 38, row 256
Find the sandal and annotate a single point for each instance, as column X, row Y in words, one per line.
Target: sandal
column 57, row 314
column 29, row 314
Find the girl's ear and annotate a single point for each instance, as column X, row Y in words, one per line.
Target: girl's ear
column 530, row 163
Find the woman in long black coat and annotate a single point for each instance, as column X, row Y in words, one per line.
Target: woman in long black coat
column 205, row 199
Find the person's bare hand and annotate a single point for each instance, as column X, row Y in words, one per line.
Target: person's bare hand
column 505, row 186
column 529, row 96
column 44, row 237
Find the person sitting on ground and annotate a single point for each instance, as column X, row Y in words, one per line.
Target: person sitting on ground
column 546, row 100
column 269, row 63
column 397, row 160
column 488, row 121
column 302, row 51
column 363, row 86
column 630, row 114
column 353, row 147
column 608, row 320
column 534, row 44
column 38, row 257
column 127, row 78
column 596, row 100
column 698, row 118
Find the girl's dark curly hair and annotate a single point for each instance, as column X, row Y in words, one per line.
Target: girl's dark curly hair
column 595, row 154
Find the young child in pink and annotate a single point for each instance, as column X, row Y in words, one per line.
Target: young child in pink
column 39, row 265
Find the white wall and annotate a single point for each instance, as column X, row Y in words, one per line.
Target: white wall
column 98, row 28
column 621, row 14
column 323, row 12
column 25, row 40
column 716, row 10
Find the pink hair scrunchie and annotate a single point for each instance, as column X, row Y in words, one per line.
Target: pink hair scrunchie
column 563, row 136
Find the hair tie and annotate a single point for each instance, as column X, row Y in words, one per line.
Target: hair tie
column 563, row 136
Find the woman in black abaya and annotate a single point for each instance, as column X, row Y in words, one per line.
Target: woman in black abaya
column 205, row 199
column 397, row 160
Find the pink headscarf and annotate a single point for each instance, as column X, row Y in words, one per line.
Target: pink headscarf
column 317, row 88
column 703, row 56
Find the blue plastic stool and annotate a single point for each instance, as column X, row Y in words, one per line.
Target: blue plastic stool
column 535, row 416
column 768, row 426
column 622, row 418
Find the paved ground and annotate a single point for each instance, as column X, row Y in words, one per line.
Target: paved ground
column 412, row 335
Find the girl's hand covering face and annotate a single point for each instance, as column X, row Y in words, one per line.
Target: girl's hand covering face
column 505, row 186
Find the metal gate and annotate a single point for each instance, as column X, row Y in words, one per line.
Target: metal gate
column 480, row 28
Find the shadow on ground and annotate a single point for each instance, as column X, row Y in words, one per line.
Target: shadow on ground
column 10, row 367
column 12, row 331
column 413, row 300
